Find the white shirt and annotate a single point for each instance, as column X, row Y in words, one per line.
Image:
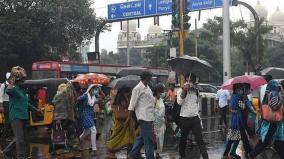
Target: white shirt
column 223, row 96
column 3, row 96
column 142, row 102
column 189, row 105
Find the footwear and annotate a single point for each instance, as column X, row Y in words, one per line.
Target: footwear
column 235, row 156
column 158, row 156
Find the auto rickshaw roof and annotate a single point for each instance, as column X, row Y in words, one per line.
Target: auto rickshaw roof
column 46, row 82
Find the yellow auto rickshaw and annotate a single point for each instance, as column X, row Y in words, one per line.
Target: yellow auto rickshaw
column 41, row 93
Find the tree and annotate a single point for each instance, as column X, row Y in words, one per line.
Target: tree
column 274, row 56
column 33, row 30
column 101, row 26
column 157, row 56
column 243, row 37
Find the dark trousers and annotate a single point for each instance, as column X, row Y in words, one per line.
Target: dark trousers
column 245, row 140
column 279, row 147
column 191, row 124
column 267, row 141
column 6, row 113
column 18, row 127
column 145, row 138
column 223, row 113
column 229, row 145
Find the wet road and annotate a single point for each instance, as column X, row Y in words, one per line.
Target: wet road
column 39, row 147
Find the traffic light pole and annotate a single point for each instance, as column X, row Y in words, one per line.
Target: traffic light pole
column 181, row 36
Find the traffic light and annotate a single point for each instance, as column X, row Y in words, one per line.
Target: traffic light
column 175, row 14
column 186, row 17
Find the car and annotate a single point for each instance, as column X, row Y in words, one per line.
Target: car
column 207, row 90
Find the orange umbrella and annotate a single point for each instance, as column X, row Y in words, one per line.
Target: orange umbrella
column 92, row 78
column 82, row 80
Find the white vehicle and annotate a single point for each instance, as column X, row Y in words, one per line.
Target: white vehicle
column 207, row 90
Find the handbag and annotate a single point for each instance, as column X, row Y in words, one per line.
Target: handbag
column 120, row 113
column 58, row 135
column 272, row 115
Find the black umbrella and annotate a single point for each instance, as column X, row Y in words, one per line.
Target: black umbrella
column 275, row 72
column 187, row 64
column 125, row 82
column 131, row 71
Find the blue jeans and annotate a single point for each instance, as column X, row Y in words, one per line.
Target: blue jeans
column 145, row 139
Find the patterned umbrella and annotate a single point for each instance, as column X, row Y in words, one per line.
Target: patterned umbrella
column 91, row 78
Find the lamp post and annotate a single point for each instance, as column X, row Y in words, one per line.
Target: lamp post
column 257, row 26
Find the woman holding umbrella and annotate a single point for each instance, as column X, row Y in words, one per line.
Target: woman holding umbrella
column 89, row 100
column 122, row 133
column 238, row 104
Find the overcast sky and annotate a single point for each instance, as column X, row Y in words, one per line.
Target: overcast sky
column 108, row 40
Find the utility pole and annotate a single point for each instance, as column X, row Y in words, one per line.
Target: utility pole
column 226, row 41
column 127, row 44
column 196, row 39
column 181, row 36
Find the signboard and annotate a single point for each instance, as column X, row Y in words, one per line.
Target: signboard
column 149, row 8
column 138, row 9
column 195, row 5
column 80, row 68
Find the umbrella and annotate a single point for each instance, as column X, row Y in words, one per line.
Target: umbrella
column 91, row 78
column 254, row 81
column 187, row 64
column 131, row 71
column 275, row 72
column 125, row 82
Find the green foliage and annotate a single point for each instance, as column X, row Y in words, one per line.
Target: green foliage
column 157, row 56
column 33, row 30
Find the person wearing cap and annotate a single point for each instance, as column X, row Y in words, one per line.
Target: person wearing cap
column 4, row 100
column 189, row 117
column 142, row 102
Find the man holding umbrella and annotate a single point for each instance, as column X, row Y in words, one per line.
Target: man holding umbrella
column 189, row 117
column 142, row 102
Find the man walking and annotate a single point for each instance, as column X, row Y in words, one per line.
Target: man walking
column 142, row 102
column 222, row 99
column 189, row 118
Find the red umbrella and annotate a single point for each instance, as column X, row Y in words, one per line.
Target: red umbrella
column 253, row 81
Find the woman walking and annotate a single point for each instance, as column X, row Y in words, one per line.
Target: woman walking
column 160, row 121
column 237, row 106
column 88, row 101
column 123, row 134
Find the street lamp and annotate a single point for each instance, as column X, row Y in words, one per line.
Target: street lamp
column 257, row 26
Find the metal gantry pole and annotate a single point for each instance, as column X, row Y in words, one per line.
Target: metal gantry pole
column 127, row 44
column 226, row 41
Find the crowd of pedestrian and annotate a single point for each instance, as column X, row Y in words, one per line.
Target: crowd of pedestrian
column 140, row 120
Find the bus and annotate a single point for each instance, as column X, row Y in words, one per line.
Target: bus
column 55, row 69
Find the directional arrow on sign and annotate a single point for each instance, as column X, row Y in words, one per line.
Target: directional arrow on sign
column 150, row 6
